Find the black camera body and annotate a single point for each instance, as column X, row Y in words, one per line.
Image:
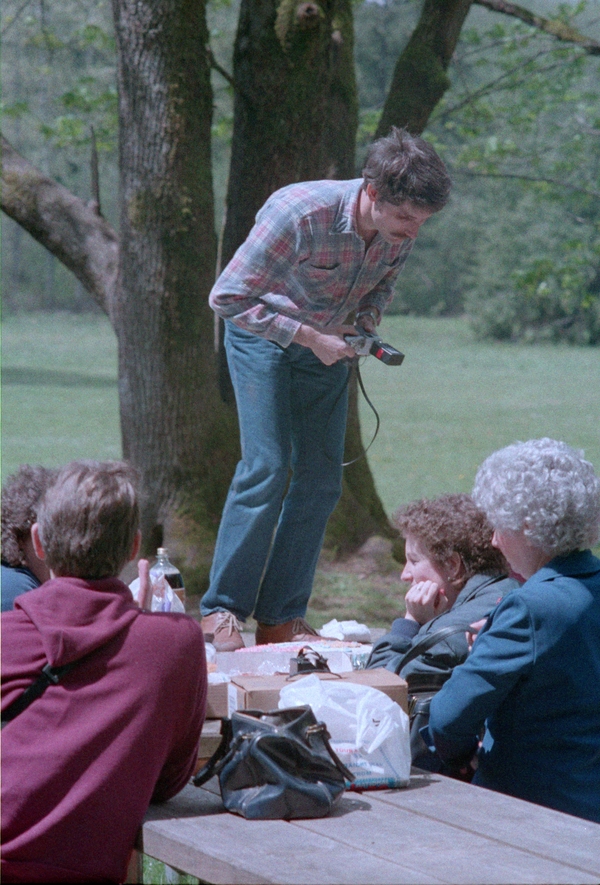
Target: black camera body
column 366, row 343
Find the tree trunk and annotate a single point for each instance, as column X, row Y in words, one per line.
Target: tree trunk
column 174, row 427
column 420, row 79
column 295, row 119
column 295, row 109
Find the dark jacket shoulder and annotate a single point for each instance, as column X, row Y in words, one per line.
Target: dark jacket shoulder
column 475, row 601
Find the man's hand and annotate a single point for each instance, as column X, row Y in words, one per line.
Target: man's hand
column 367, row 322
column 144, row 596
column 328, row 347
column 424, row 601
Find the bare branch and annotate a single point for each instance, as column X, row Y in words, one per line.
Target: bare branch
column 68, row 227
column 556, row 28
column 94, row 171
column 11, row 21
column 541, row 179
column 213, row 63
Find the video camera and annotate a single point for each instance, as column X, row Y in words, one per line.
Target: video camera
column 365, row 343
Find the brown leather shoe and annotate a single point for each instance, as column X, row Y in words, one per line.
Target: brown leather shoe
column 223, row 630
column 297, row 630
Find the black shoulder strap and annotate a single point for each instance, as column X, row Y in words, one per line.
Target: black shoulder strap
column 49, row 676
column 427, row 642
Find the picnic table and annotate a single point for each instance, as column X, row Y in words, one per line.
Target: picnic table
column 437, row 830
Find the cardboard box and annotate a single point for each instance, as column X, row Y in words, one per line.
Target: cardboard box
column 262, row 692
column 222, row 698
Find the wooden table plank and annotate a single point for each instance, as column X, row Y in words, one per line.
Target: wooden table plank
column 566, row 839
column 436, row 831
column 440, row 850
column 194, row 833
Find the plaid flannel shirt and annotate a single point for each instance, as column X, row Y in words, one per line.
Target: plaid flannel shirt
column 304, row 262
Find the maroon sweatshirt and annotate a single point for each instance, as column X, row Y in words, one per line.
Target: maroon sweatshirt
column 81, row 764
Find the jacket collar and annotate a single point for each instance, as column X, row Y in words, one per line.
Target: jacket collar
column 579, row 563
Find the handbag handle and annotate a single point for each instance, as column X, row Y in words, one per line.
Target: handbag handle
column 427, row 642
column 212, row 767
column 321, row 728
column 215, row 763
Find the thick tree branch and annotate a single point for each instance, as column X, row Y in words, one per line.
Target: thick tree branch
column 420, row 77
column 68, row 227
column 554, row 27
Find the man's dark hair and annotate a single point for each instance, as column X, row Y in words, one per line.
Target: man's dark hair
column 452, row 524
column 88, row 519
column 21, row 495
column 402, row 167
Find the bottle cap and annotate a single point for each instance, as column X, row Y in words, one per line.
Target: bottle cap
column 162, row 551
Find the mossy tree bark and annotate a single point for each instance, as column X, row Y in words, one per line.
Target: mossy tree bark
column 153, row 278
column 420, row 79
column 174, row 427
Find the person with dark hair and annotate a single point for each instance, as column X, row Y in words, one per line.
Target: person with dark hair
column 321, row 254
column 119, row 722
column 22, row 570
column 531, row 680
column 456, row 578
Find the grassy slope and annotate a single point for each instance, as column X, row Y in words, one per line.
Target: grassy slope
column 450, row 404
column 59, row 390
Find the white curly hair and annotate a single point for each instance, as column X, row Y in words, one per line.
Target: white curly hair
column 544, row 488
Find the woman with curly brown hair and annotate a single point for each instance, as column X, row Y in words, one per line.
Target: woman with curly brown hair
column 456, row 578
column 21, row 495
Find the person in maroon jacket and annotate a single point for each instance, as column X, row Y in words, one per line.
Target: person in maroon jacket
column 81, row 763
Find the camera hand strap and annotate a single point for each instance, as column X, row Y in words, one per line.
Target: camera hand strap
column 373, row 409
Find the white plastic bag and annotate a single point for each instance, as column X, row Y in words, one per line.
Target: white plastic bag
column 163, row 597
column 369, row 731
column 351, row 631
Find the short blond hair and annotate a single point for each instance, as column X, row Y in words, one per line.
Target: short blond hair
column 88, row 519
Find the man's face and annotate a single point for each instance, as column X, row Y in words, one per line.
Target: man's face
column 396, row 223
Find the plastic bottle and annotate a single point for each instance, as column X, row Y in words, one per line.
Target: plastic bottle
column 166, row 583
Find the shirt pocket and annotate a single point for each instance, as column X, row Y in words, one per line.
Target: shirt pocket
column 321, row 285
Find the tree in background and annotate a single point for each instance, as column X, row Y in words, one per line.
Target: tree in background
column 292, row 74
column 153, row 278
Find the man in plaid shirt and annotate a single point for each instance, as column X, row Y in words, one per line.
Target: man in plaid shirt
column 319, row 253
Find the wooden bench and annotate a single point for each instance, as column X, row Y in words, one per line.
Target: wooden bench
column 435, row 831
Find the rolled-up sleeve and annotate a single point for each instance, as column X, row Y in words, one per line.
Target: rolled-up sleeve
column 260, row 269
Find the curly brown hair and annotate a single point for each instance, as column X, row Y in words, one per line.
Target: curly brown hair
column 449, row 524
column 21, row 495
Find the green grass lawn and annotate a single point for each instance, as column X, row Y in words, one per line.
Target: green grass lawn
column 451, row 403
column 59, row 390
column 454, row 401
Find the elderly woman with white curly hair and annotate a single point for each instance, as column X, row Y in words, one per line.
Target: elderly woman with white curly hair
column 532, row 680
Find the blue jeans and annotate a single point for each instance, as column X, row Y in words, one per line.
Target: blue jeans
column 292, row 415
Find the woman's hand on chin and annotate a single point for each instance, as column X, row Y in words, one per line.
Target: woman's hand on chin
column 424, row 601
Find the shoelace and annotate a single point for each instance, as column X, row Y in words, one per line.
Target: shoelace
column 229, row 622
column 301, row 626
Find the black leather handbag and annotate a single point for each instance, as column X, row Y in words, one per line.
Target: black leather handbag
column 276, row 766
